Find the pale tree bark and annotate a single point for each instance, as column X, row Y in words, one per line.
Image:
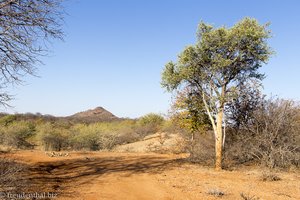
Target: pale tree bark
column 219, row 140
column 219, row 133
column 217, row 128
column 224, row 132
column 209, row 114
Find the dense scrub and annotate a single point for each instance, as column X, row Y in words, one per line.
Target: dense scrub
column 271, row 136
column 60, row 135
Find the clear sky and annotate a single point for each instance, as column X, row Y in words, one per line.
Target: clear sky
column 114, row 52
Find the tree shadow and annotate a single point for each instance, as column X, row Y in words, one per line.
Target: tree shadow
column 62, row 175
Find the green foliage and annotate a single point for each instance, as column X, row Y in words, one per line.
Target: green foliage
column 52, row 136
column 17, row 134
column 61, row 134
column 6, row 120
column 150, row 123
column 151, row 118
column 189, row 113
column 85, row 137
column 221, row 57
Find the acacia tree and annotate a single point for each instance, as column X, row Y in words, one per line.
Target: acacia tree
column 25, row 28
column 216, row 67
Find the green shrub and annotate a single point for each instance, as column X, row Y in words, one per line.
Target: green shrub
column 52, row 136
column 94, row 136
column 17, row 134
column 84, row 137
column 149, row 124
column 6, row 120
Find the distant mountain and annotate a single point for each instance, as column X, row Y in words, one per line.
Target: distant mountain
column 97, row 114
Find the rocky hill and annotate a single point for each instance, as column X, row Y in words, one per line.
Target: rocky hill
column 97, row 114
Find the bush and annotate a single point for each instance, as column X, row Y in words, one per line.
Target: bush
column 93, row 137
column 127, row 135
column 125, row 131
column 149, row 124
column 271, row 136
column 171, row 126
column 53, row 137
column 202, row 148
column 8, row 119
column 108, row 141
column 10, row 177
column 17, row 134
column 269, row 176
column 83, row 137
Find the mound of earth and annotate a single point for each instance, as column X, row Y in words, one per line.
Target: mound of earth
column 158, row 142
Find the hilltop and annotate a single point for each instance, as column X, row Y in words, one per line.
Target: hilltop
column 98, row 114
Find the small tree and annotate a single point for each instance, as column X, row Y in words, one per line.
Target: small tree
column 215, row 68
column 189, row 113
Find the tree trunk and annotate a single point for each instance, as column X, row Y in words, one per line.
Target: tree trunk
column 217, row 127
column 219, row 132
column 219, row 140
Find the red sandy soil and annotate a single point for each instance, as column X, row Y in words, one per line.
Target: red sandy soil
column 122, row 176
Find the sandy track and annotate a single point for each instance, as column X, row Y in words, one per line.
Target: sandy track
column 114, row 176
column 99, row 175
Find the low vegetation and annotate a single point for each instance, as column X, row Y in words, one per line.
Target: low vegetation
column 270, row 135
column 249, row 197
column 10, row 176
column 270, row 176
column 216, row 192
column 60, row 135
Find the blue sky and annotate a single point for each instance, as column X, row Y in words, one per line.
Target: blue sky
column 114, row 52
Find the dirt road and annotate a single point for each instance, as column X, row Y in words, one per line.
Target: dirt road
column 115, row 176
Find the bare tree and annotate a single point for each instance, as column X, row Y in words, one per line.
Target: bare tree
column 4, row 97
column 26, row 27
column 270, row 135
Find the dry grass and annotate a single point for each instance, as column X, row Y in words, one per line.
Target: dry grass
column 216, row 192
column 249, row 197
column 270, row 176
column 10, row 176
